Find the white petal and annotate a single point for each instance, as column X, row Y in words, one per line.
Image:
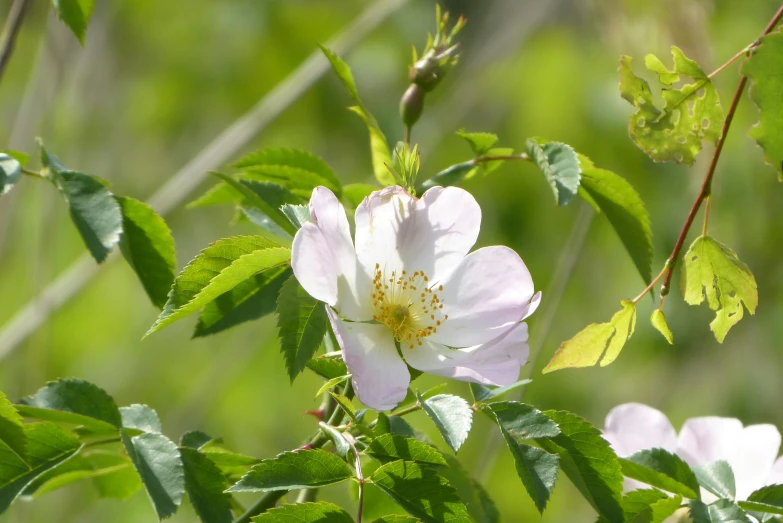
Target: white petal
column 324, row 260
column 632, row 427
column 431, row 234
column 486, row 294
column 707, row 439
column 380, row 377
column 776, row 475
column 532, row 306
column 752, row 460
column 494, row 363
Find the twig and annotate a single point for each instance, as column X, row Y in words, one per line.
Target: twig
column 11, row 29
column 221, row 150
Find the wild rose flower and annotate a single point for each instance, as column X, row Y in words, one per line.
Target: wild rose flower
column 751, row 450
column 408, row 280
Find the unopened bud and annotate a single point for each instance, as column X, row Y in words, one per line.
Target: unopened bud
column 411, row 105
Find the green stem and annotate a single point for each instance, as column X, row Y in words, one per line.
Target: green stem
column 307, row 495
column 10, row 31
column 29, row 172
column 105, row 441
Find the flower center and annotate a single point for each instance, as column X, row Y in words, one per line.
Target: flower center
column 408, row 305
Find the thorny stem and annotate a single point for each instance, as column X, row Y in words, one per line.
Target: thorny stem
column 10, row 31
column 706, row 187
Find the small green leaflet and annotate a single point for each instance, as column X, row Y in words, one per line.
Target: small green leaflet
column 298, row 215
column 73, row 401
column 216, row 270
column 291, row 168
column 295, row 470
column 104, row 469
column 262, row 205
column 453, row 417
column 480, row 506
column 712, row 270
column 722, row 511
column 480, row 143
column 394, row 425
column 10, row 172
column 597, row 341
column 379, row 147
column 559, row 164
column 148, row 246
column 328, row 367
column 302, row 322
column 488, row 394
column 589, row 463
column 392, row 447
column 421, row 491
column 341, row 445
column 321, row 512
column 206, row 485
column 140, row 417
column 658, row 320
column 196, row 439
column 661, row 469
column 718, row 478
column 522, row 421
column 11, row 428
column 649, row 506
column 612, row 195
column 75, row 14
column 690, row 114
column 767, row 92
column 159, row 464
column 47, row 446
column 767, row 499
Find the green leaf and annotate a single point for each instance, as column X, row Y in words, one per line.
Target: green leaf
column 298, row 215
column 74, row 401
column 75, row 14
column 250, row 300
column 328, row 367
column 341, row 446
column 722, row 511
column 482, row 394
column 767, row 499
column 598, row 341
column 523, row 421
column 392, row 447
column 649, row 506
column 480, row 506
column 691, row 114
column 661, row 469
column 195, row 439
column 397, row 518
column 93, row 208
column 624, row 209
column 295, row 470
column 355, row 193
column 216, row 270
column 147, row 244
column 206, row 485
column 658, row 320
column 11, row 428
column 10, row 172
column 727, row 283
column 767, row 92
column 114, row 475
column 302, row 322
column 559, row 164
column 421, row 491
column 346, row 405
column 589, row 462
column 296, row 161
column 321, row 512
column 453, row 417
column 140, row 417
column 394, row 425
column 159, row 464
column 47, row 446
column 450, row 176
column 718, row 478
column 480, row 143
column 379, row 147
column 263, row 213
column 227, row 458
column 339, row 380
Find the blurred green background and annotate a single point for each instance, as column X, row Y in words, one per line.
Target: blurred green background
column 158, row 80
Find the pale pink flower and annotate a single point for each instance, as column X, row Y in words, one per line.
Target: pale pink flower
column 751, row 450
column 408, row 278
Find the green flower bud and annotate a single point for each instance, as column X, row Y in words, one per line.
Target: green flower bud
column 411, row 105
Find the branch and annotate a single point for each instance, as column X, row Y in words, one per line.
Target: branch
column 217, row 153
column 11, row 29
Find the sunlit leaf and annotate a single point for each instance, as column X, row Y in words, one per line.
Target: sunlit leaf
column 295, row 470
column 649, row 506
column 722, row 511
column 487, row 394
column 598, row 341
column 205, row 485
column 453, row 417
column 10, row 172
column 392, row 447
column 159, row 464
column 480, row 143
column 767, row 499
column 321, row 512
column 302, row 322
column 268, row 161
column 75, row 14
column 140, row 417
column 12, row 428
column 559, row 164
column 712, row 270
column 691, row 114
column 718, row 478
column 661, row 469
column 658, row 320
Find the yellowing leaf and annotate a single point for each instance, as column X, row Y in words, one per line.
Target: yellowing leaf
column 598, row 341
column 658, row 320
column 690, row 114
column 712, row 270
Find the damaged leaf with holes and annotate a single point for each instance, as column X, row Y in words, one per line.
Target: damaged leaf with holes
column 691, row 113
column 713, row 271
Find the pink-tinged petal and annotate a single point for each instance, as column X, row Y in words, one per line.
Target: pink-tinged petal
column 752, row 460
column 431, row 234
column 495, row 363
column 532, row 306
column 486, row 294
column 324, row 260
column 380, row 377
column 707, row 439
column 776, row 475
column 632, row 427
